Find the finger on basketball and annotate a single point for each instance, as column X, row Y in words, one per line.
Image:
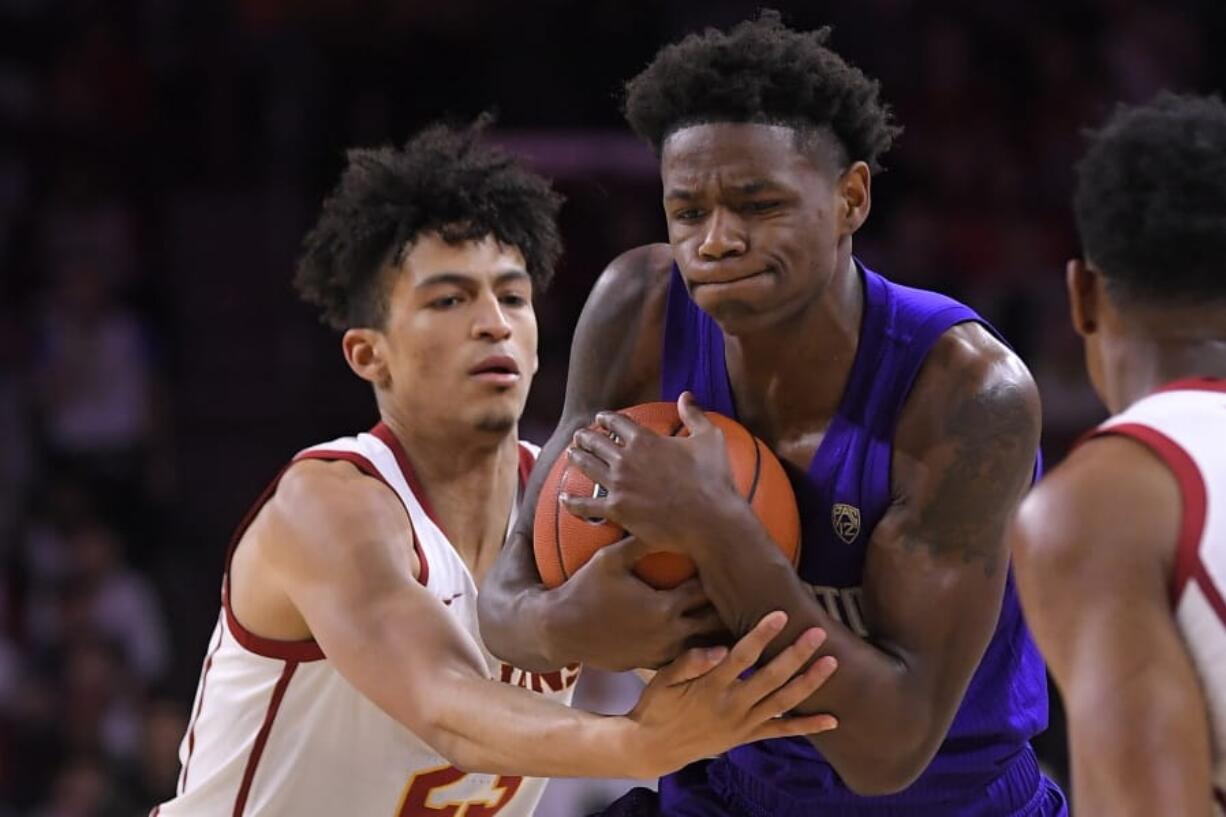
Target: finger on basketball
column 794, row 727
column 626, row 429
column 691, row 414
column 625, row 552
column 745, row 653
column 585, row 507
column 769, row 678
column 590, row 464
column 797, row 691
column 598, row 443
column 691, row 664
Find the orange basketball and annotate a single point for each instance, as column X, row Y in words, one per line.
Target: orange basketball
column 564, row 542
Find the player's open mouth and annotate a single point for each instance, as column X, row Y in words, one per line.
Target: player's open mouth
column 499, row 370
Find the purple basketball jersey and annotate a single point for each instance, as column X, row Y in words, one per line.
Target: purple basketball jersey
column 985, row 765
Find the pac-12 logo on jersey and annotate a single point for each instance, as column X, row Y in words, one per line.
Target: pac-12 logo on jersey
column 846, row 521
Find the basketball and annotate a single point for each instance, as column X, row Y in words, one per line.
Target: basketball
column 563, row 542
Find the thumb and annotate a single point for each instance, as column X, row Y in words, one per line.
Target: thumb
column 691, row 664
column 625, row 552
column 691, row 414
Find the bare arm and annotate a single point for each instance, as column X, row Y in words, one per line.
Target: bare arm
column 614, row 363
column 935, row 567
column 1093, row 547
column 337, row 544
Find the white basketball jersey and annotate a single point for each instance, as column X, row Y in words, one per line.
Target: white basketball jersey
column 1185, row 425
column 277, row 731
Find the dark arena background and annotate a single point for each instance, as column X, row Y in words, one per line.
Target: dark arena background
column 161, row 160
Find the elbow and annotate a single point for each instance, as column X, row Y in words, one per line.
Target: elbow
column 439, row 728
column 880, row 777
column 887, row 766
column 458, row 754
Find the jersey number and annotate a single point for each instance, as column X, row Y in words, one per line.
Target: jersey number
column 426, row 785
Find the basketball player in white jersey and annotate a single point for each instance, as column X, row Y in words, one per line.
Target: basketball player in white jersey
column 1121, row 551
column 346, row 674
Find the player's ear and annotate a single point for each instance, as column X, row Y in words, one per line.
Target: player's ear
column 856, row 197
column 364, row 352
column 1083, row 286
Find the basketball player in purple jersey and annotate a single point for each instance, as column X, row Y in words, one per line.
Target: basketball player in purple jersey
column 911, row 429
column 1121, row 551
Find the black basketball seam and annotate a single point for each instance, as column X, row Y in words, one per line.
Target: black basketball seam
column 757, row 467
column 680, row 425
column 557, row 523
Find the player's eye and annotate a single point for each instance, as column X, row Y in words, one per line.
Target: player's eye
column 512, row 299
column 447, row 302
column 688, row 214
column 762, row 206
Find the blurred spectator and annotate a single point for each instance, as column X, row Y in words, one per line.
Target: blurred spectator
column 86, row 787
column 101, row 701
column 95, row 377
column 16, row 455
column 101, row 595
column 157, row 772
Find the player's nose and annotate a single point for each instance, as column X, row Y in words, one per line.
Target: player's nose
column 724, row 237
column 491, row 319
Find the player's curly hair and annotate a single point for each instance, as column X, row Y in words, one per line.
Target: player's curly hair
column 1150, row 202
column 761, row 71
column 442, row 180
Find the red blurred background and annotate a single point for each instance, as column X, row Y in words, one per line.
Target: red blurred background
column 160, row 161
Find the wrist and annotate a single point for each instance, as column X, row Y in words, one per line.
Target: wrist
column 731, row 525
column 550, row 613
column 631, row 743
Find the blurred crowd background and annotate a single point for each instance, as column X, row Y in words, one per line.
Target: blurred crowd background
column 160, row 161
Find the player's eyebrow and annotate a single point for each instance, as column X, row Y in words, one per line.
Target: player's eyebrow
column 753, row 186
column 747, row 188
column 467, row 279
column 680, row 194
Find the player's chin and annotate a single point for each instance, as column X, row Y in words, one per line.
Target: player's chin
column 496, row 422
column 497, row 412
column 739, row 302
column 739, row 316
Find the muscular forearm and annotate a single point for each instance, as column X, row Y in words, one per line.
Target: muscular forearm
column 483, row 726
column 513, row 608
column 436, row 684
column 514, row 612
column 887, row 736
column 1144, row 749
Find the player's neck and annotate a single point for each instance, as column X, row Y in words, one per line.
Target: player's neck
column 797, row 370
column 1142, row 365
column 470, row 482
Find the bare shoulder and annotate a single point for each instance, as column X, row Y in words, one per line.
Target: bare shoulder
column 324, row 512
column 965, row 447
column 971, row 383
column 615, row 356
column 1111, row 504
column 638, row 271
column 632, row 289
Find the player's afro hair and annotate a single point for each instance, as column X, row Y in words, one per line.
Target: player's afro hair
column 442, row 180
column 1151, row 199
column 761, row 71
